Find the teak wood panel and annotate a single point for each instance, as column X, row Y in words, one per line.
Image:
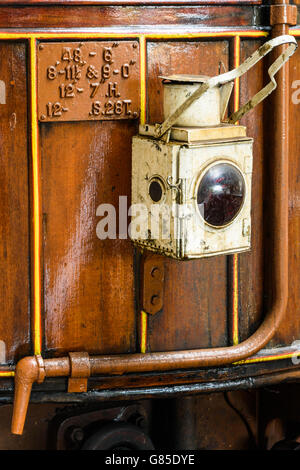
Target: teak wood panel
column 193, row 314
column 290, row 328
column 251, row 263
column 14, row 204
column 77, row 175
column 60, row 16
column 127, row 2
column 88, row 282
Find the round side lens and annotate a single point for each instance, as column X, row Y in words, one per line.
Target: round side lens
column 155, row 191
column 220, row 194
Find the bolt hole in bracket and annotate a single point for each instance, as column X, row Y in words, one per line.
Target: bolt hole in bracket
column 152, row 274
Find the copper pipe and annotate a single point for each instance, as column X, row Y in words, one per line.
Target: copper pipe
column 28, row 368
column 58, row 367
column 27, row 372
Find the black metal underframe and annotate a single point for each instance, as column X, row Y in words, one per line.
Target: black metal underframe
column 239, row 377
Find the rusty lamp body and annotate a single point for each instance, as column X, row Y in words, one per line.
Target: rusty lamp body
column 196, row 187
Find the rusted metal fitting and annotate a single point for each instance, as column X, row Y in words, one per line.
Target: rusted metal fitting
column 283, row 14
column 152, row 283
column 34, row 369
column 80, row 371
column 28, row 371
column 41, row 369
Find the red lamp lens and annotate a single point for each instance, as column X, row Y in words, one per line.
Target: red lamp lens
column 220, row 194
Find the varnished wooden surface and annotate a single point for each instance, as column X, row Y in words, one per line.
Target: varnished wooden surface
column 88, row 283
column 89, row 286
column 14, row 205
column 189, row 310
column 251, row 263
column 118, row 16
column 290, row 329
column 123, row 2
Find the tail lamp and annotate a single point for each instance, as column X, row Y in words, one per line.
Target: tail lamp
column 191, row 175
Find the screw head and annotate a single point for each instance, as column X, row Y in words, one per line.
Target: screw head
column 77, row 434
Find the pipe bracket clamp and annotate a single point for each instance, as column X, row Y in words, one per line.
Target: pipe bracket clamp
column 283, row 14
column 80, row 371
column 42, row 372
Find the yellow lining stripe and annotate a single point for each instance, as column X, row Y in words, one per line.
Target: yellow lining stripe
column 74, row 35
column 36, row 202
column 5, row 373
column 268, row 358
column 144, row 324
column 237, row 55
column 220, row 34
column 143, row 78
column 235, row 259
column 235, row 301
column 143, row 81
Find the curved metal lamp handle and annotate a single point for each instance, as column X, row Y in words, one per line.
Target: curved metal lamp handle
column 218, row 80
column 272, row 70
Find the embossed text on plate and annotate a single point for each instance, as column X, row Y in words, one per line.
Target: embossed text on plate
column 79, row 81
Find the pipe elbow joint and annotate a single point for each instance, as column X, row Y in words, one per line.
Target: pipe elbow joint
column 28, row 370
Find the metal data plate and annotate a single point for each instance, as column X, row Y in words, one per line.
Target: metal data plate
column 79, row 81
